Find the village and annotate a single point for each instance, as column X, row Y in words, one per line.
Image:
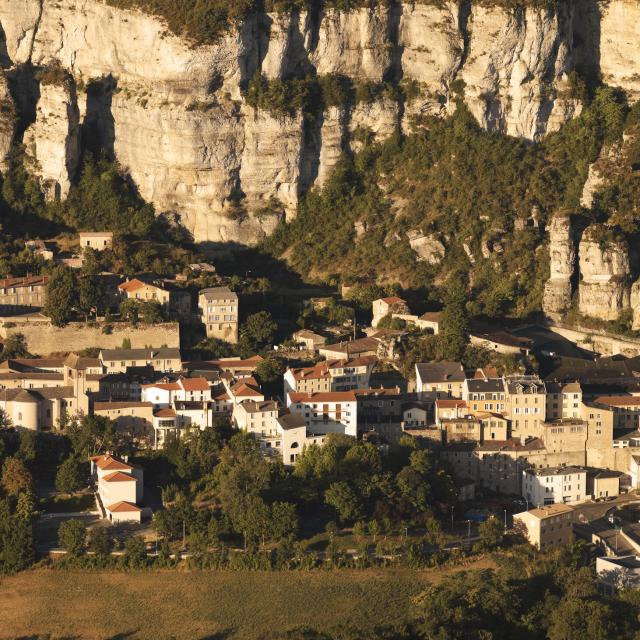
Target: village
column 552, row 453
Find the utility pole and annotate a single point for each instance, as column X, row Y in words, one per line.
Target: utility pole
column 505, row 521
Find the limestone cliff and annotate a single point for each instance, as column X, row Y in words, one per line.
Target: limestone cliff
column 562, row 252
column 174, row 115
column 52, row 142
column 604, row 274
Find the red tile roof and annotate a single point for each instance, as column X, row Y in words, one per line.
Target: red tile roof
column 166, row 386
column 165, row 413
column 194, row 384
column 618, row 401
column 450, row 404
column 123, row 507
column 131, row 285
column 118, row 476
column 108, row 463
column 392, row 300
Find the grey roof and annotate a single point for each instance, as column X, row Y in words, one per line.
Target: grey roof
column 291, row 421
column 36, row 395
column 166, row 353
column 555, row 471
column 219, row 293
column 528, row 386
column 251, row 406
column 493, row 385
column 440, row 371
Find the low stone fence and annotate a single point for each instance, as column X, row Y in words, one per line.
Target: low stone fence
column 43, row 338
column 598, row 341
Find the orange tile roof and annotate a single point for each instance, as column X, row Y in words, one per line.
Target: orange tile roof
column 222, row 396
column 165, row 413
column 243, row 389
column 194, row 384
column 165, row 386
column 123, row 507
column 108, row 463
column 131, row 285
column 450, row 404
column 392, row 300
column 118, row 476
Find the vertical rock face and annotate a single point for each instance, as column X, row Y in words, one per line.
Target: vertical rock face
column 271, row 158
column 619, row 34
column 52, row 142
column 333, row 136
column 604, row 274
column 562, row 253
column 354, row 44
column 7, row 119
column 173, row 113
column 516, row 69
column 635, row 305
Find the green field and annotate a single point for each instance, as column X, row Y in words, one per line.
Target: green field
column 196, row 605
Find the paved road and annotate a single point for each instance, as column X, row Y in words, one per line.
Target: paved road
column 594, row 510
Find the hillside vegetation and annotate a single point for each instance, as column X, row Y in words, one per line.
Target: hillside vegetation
column 486, row 197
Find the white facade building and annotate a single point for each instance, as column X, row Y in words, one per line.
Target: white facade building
column 553, row 485
column 332, row 412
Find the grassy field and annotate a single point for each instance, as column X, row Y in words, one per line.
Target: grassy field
column 199, row 605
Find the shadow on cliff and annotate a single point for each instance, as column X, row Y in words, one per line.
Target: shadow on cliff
column 98, row 127
column 232, row 258
column 5, row 61
column 586, row 40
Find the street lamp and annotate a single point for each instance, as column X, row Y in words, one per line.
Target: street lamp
column 505, row 521
column 452, row 510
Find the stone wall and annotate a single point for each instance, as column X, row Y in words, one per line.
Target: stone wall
column 598, row 342
column 43, row 338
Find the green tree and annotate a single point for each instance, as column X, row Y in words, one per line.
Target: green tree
column 284, row 520
column 15, row 346
column 344, row 500
column 469, row 606
column 72, row 535
column 258, row 330
column 91, row 435
column 26, row 506
column 135, row 552
column 270, row 370
column 16, row 542
column 455, row 322
column 69, row 477
column 152, row 312
column 491, row 532
column 16, row 477
column 62, row 295
column 99, row 541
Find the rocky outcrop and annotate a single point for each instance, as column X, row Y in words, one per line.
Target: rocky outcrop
column 558, row 289
column 604, row 274
column 173, row 114
column 619, row 34
column 515, row 71
column 52, row 142
column 635, row 305
column 428, row 248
